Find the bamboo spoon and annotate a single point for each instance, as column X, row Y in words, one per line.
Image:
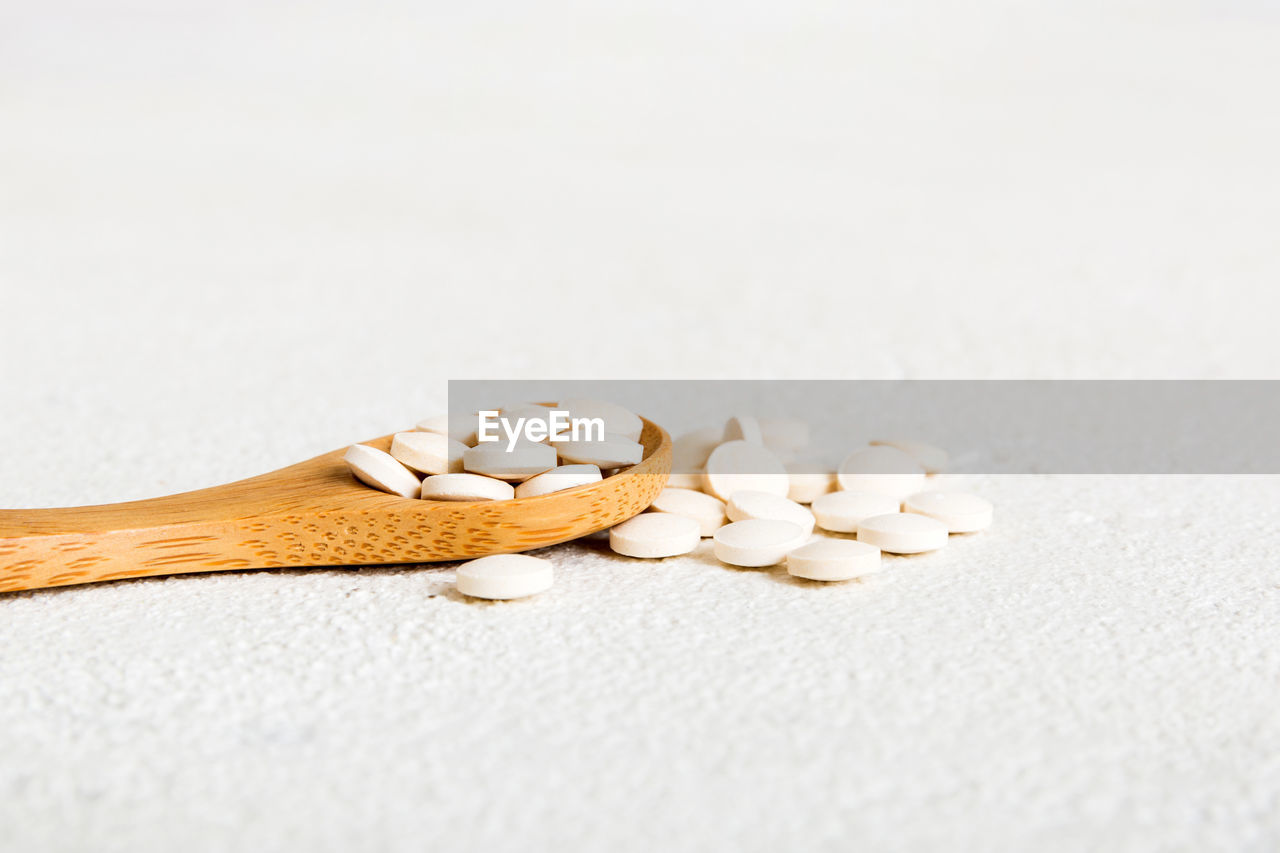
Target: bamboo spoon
column 310, row 514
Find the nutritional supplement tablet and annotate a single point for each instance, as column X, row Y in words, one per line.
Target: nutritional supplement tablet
column 379, row 469
column 466, row 487
column 747, row 504
column 743, row 428
column 517, row 420
column 834, row 560
column 428, row 452
column 460, row 427
column 503, row 576
column 557, row 480
column 842, row 512
column 881, row 469
column 691, row 481
column 738, row 465
column 655, row 534
column 932, row 459
column 689, row 452
column 809, row 480
column 615, row 451
column 757, row 542
column 704, row 509
column 903, row 533
column 616, row 419
column 784, row 433
column 961, row 512
column 494, row 459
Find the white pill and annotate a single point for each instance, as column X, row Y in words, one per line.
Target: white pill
column 738, row 465
column 616, row 419
column 757, row 542
column 743, row 428
column 842, row 512
column 746, row 504
column 530, row 421
column 428, row 452
column 932, row 459
column 784, row 433
column 691, row 481
column 704, row 509
column 379, row 469
column 834, row 560
column 903, row 533
column 466, row 487
column 961, row 512
column 689, row 452
column 615, row 451
column 558, row 479
column 881, row 469
column 460, row 427
column 808, row 481
column 503, row 576
column 655, row 534
column 495, row 459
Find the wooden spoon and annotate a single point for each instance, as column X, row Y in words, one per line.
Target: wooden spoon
column 310, row 514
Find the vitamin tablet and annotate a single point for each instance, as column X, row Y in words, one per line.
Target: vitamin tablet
column 689, row 452
column 932, row 459
column 704, row 509
column 746, row 504
column 743, row 428
column 842, row 512
column 496, row 459
column 460, row 427
column 834, row 560
column 886, row 470
column 788, row 434
column 504, row 576
column 557, row 480
column 655, row 534
column 379, row 469
column 617, row 420
column 516, row 420
column 961, row 512
column 428, row 452
column 691, row 481
column 466, row 487
column 615, row 451
column 757, row 542
column 739, row 465
column 903, row 533
column 808, row 480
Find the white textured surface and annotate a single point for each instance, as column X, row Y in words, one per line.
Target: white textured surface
column 189, row 200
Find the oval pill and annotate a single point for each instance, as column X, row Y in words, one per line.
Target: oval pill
column 903, row 533
column 739, row 465
column 757, row 542
column 961, row 512
column 932, row 459
column 380, row 469
column 460, row 427
column 708, row 511
column 653, row 535
column 747, row 504
column 881, row 469
column 615, row 451
column 428, row 452
column 807, row 481
column 558, row 479
column 834, row 560
column 617, row 419
column 505, row 576
column 842, row 512
column 689, row 452
column 495, row 459
column 466, row 487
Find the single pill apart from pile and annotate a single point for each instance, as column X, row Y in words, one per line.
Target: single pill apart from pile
column 615, row 451
column 505, row 576
column 653, row 535
column 842, row 512
column 708, row 511
column 747, row 504
column 616, row 419
column 808, row 481
column 428, row 452
column 466, row 487
column 881, row 469
column 834, row 560
column 558, row 479
column 961, row 512
column 380, row 469
column 743, row 428
column 903, row 533
column 496, row 459
column 738, row 465
column 933, row 459
column 460, row 427
column 757, row 542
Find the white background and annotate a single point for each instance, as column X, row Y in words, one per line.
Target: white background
column 234, row 235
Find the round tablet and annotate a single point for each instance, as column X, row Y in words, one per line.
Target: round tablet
column 808, row 481
column 557, row 480
column 961, row 512
column 616, row 419
column 757, row 542
column 460, row 427
column 428, row 452
column 691, row 481
column 380, row 469
column 503, row 576
column 738, row 465
column 494, row 459
column 932, row 459
column 655, row 534
column 615, row 451
column 743, row 428
column 747, row 504
column 689, row 452
column 842, row 512
column 510, row 420
column 834, row 560
column 903, row 533
column 466, row 487
column 704, row 509
column 886, row 470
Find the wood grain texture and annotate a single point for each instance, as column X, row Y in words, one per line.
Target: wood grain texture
column 310, row 514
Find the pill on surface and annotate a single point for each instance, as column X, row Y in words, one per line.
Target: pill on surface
column 743, row 428
column 428, row 452
column 655, row 534
column 903, row 533
column 784, row 433
column 689, row 452
column 505, row 576
column 379, row 469
column 808, row 481
column 615, row 451
column 708, row 511
column 842, row 512
column 932, row 459
column 460, row 427
column 961, row 512
column 834, row 560
column 739, row 465
column 691, row 481
column 616, row 419
column 881, row 469
column 746, row 504
column 466, row 487
column 757, row 542
column 496, row 459
column 558, row 479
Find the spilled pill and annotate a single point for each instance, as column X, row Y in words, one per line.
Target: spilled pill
column 654, row 535
column 886, row 470
column 757, row 542
column 505, row 576
column 807, row 481
column 738, row 465
column 747, row 504
column 903, row 533
column 842, row 512
column 834, row 560
column 961, row 512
